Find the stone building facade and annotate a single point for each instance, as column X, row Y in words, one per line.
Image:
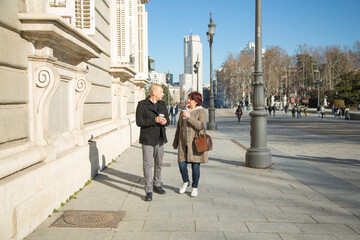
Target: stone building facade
column 71, row 74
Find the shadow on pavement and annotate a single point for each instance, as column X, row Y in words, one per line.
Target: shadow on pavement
column 127, row 179
column 352, row 162
column 230, row 162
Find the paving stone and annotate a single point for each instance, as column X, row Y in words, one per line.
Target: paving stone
column 210, row 226
column 274, row 202
column 241, row 216
column 335, row 229
column 251, row 236
column 303, row 210
column 130, row 226
column 169, row 225
column 354, row 227
column 287, row 236
column 71, row 234
column 272, row 227
column 197, row 235
column 141, row 235
column 336, row 219
column 289, row 218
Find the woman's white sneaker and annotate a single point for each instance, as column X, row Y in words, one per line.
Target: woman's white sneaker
column 194, row 192
column 183, row 187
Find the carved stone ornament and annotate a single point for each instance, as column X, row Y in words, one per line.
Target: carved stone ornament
column 47, row 82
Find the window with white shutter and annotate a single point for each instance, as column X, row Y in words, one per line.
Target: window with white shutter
column 85, row 16
column 121, row 28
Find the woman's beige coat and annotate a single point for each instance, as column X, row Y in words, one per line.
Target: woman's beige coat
column 186, row 128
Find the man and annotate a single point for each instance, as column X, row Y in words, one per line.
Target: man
column 173, row 112
column 322, row 110
column 152, row 117
column 298, row 111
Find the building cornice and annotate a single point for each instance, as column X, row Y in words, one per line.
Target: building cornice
column 124, row 71
column 56, row 32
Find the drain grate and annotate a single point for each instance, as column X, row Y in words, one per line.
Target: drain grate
column 89, row 219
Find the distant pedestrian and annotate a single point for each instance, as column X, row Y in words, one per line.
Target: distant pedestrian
column 269, row 109
column 173, row 112
column 239, row 112
column 273, row 109
column 322, row 111
column 293, row 111
column 335, row 111
column 298, row 111
column 305, row 111
column 286, row 108
column 343, row 111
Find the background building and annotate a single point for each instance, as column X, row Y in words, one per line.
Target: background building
column 250, row 49
column 157, row 77
column 71, row 75
column 192, row 53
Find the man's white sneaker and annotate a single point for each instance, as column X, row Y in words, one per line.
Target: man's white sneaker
column 183, row 187
column 194, row 192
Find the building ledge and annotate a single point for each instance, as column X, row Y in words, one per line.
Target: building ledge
column 54, row 31
column 124, row 71
column 140, row 81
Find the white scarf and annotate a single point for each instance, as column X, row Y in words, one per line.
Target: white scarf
column 195, row 108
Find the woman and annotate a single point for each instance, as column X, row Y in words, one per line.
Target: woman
column 191, row 121
column 239, row 112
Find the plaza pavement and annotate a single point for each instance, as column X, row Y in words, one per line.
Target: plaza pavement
column 291, row 200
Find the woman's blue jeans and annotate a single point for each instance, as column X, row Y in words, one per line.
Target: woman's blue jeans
column 195, row 173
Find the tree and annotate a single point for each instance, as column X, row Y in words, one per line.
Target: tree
column 275, row 69
column 235, row 77
column 166, row 93
column 348, row 89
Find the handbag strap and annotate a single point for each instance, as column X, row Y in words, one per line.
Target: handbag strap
column 197, row 133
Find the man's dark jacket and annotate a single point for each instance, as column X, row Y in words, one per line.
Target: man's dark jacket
column 145, row 119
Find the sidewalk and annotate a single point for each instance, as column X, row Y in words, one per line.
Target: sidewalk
column 234, row 202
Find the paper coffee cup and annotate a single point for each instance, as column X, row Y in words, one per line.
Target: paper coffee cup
column 161, row 115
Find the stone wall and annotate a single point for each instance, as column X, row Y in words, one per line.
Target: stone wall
column 65, row 113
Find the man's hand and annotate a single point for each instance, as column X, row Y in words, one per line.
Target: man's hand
column 158, row 119
column 163, row 121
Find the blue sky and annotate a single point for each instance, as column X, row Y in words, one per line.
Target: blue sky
column 286, row 23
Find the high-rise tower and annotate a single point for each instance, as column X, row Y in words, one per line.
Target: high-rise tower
column 192, row 53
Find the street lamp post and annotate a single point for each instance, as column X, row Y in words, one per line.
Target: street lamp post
column 258, row 155
column 196, row 70
column 210, row 34
column 168, row 82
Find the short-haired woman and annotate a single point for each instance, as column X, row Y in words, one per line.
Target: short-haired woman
column 191, row 121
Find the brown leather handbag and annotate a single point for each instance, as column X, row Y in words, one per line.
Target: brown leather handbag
column 203, row 142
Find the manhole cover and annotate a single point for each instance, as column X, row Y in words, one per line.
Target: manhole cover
column 89, row 219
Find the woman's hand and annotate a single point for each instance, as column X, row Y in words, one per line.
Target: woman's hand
column 186, row 114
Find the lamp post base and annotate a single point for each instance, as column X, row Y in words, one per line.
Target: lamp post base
column 258, row 155
column 212, row 124
column 258, row 158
